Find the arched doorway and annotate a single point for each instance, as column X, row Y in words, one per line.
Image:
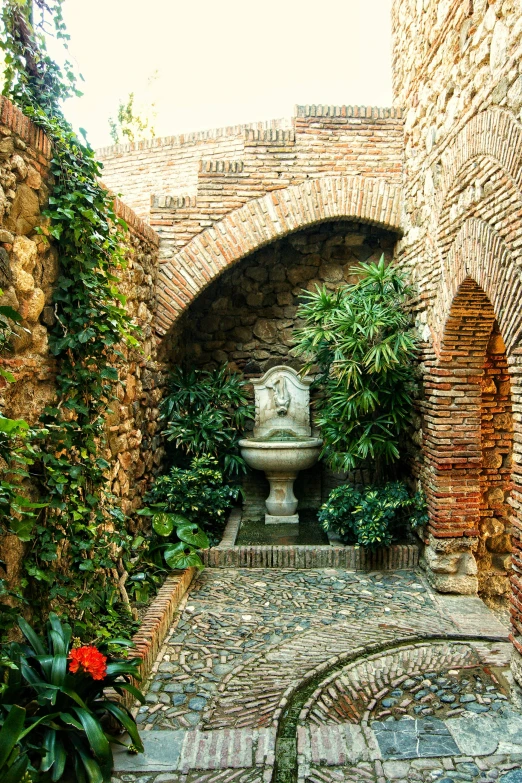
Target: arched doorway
column 468, row 448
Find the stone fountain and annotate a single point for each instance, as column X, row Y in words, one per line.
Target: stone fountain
column 282, row 444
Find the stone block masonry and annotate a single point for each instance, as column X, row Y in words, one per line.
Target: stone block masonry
column 458, row 78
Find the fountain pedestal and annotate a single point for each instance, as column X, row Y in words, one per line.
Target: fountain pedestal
column 281, row 504
column 282, row 444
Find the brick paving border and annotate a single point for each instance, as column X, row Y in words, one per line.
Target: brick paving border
column 157, row 622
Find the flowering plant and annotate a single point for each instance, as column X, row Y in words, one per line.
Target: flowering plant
column 63, row 690
column 88, row 660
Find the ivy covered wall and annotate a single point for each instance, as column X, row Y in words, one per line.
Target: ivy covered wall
column 29, row 267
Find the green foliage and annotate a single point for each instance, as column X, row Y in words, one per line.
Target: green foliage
column 13, row 760
column 130, row 124
column 362, row 340
column 197, row 494
column 372, row 517
column 206, row 412
column 64, row 715
column 191, row 538
column 79, row 538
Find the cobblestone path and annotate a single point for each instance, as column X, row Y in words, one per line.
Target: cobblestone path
column 317, row 667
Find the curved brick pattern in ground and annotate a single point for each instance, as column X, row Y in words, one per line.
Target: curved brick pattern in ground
column 235, row 616
column 447, row 770
column 397, row 683
column 257, row 692
column 196, row 776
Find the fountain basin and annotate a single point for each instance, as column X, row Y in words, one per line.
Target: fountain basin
column 281, row 461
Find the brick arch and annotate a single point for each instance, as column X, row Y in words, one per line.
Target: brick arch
column 480, row 253
column 494, row 133
column 469, row 435
column 262, row 221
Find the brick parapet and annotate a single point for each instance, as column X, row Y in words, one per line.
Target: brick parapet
column 319, row 140
column 15, row 121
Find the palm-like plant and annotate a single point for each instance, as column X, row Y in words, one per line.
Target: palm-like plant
column 362, row 341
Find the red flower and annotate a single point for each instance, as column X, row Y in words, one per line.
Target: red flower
column 89, row 660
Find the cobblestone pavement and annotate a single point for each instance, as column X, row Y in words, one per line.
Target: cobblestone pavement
column 324, row 650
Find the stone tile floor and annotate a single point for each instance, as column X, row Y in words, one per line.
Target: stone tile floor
column 257, row 651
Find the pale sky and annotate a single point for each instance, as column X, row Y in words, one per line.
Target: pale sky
column 227, row 62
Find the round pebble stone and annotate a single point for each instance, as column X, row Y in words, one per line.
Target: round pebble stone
column 408, row 684
column 467, row 698
column 514, row 776
column 397, row 693
column 448, row 698
column 197, row 704
column 178, row 699
column 389, row 702
column 468, row 766
column 173, row 687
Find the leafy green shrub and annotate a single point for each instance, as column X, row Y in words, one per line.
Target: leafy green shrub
column 372, row 517
column 205, row 412
column 62, row 690
column 13, row 761
column 190, row 537
column 362, row 340
column 197, row 494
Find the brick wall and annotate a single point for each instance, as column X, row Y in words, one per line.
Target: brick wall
column 458, row 77
column 216, row 197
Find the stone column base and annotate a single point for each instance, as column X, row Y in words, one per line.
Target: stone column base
column 450, row 565
column 271, row 519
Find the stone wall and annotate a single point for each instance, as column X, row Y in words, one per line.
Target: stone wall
column 29, row 266
column 247, row 317
column 458, row 78
column 136, row 449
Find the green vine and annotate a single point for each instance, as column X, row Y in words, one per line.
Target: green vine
column 78, row 541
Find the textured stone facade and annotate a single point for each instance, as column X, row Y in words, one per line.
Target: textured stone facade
column 247, row 317
column 458, row 78
column 29, row 266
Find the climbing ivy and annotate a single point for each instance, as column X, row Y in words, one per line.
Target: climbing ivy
column 78, row 540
